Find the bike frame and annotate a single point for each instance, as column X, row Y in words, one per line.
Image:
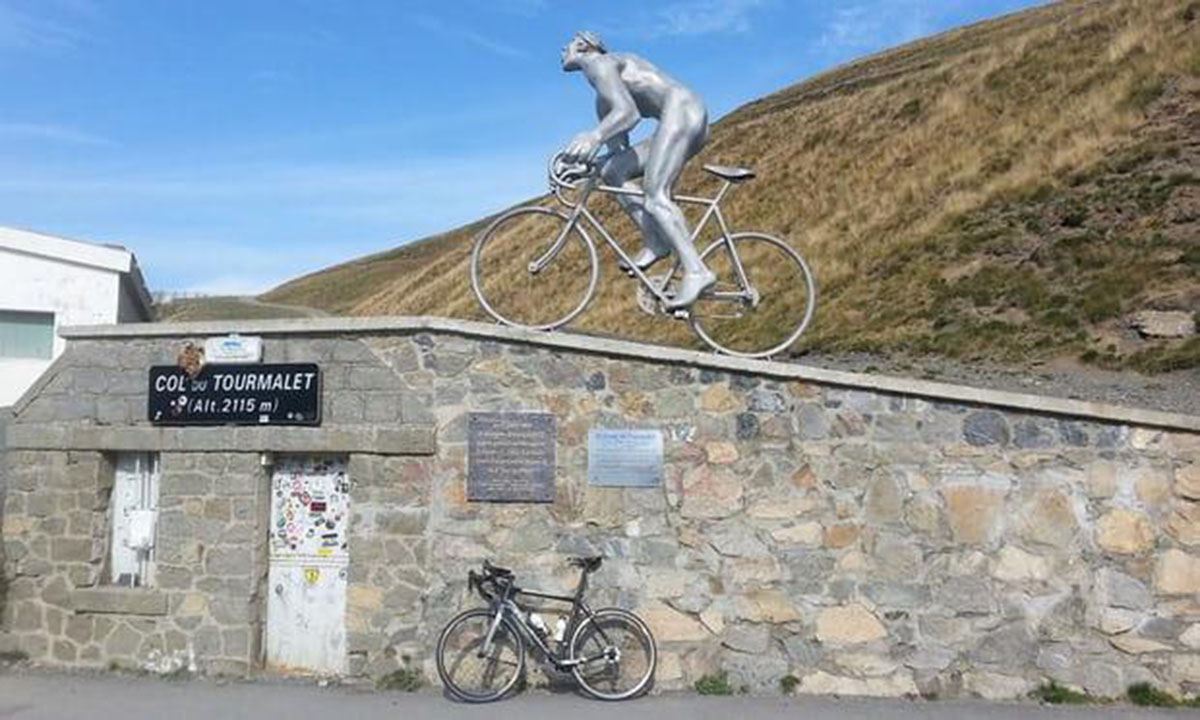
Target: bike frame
column 712, row 209
column 507, row 606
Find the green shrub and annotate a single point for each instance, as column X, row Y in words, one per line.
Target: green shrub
column 1052, row 693
column 1147, row 695
column 788, row 683
column 714, row 684
column 405, row 679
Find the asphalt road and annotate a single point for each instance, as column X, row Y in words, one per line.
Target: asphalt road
column 36, row 695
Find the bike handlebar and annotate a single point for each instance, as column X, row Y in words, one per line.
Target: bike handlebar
column 566, row 175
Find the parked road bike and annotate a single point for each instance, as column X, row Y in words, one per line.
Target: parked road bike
column 481, row 652
column 537, row 267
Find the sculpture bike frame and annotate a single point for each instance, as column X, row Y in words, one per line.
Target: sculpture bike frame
column 738, row 292
column 579, row 210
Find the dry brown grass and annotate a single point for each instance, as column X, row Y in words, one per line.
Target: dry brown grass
column 869, row 163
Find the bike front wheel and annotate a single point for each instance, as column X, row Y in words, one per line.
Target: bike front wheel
column 762, row 310
column 467, row 671
column 615, row 655
column 532, row 268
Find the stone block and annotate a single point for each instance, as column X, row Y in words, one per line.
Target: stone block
column 1187, row 481
column 1048, row 518
column 710, row 494
column 848, row 625
column 406, row 439
column 1163, row 323
column 966, row 595
column 228, row 561
column 885, row 499
column 1177, row 573
column 766, row 606
column 984, row 428
column 974, row 512
column 117, row 600
column 822, row 683
column 123, row 643
column 1124, row 532
column 1015, row 565
column 747, row 638
column 1116, row 589
column 669, row 625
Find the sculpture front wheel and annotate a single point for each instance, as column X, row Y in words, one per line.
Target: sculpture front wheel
column 532, row 268
column 761, row 309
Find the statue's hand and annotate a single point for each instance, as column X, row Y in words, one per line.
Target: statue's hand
column 582, row 147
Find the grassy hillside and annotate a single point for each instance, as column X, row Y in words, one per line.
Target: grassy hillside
column 1010, row 190
column 227, row 308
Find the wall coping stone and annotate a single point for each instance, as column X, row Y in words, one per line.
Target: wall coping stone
column 366, row 326
column 119, row 600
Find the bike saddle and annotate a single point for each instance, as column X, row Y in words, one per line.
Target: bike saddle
column 495, row 570
column 732, row 174
column 587, row 564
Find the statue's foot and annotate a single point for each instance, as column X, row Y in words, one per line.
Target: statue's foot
column 690, row 288
column 643, row 260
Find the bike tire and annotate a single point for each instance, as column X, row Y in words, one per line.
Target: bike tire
column 509, row 291
column 461, row 635
column 784, row 282
column 590, row 637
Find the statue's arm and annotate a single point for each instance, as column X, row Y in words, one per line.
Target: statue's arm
column 619, row 142
column 622, row 113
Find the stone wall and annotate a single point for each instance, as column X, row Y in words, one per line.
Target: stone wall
column 864, row 542
column 5, row 416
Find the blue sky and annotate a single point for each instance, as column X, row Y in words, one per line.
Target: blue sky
column 234, row 144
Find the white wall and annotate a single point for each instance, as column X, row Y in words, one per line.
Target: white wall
column 76, row 294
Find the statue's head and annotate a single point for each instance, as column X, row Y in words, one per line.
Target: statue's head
column 584, row 43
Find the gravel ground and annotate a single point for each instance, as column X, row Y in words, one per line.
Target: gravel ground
column 1177, row 392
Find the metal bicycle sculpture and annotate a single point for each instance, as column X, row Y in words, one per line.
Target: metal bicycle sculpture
column 481, row 652
column 537, row 267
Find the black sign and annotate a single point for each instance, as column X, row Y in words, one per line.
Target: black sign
column 510, row 457
column 236, row 395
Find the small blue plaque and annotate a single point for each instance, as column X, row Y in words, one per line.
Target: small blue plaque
column 625, row 458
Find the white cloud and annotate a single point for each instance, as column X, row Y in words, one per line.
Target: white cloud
column 57, row 25
column 875, row 25
column 703, row 17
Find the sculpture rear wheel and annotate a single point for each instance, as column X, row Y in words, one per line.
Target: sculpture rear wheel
column 782, row 297
column 519, row 277
column 473, row 677
column 622, row 652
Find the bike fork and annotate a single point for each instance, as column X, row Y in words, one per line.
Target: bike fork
column 486, row 648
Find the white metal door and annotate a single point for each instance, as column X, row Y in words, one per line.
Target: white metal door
column 306, row 612
column 134, row 519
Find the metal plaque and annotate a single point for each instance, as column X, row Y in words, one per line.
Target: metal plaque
column 511, row 457
column 236, row 395
column 625, row 458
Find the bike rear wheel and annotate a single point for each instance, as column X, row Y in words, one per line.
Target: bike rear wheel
column 618, row 652
column 528, row 270
column 764, row 316
column 473, row 677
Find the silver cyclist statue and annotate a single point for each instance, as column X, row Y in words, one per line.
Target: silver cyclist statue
column 629, row 88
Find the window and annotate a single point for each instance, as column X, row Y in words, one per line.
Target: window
column 134, row 519
column 26, row 335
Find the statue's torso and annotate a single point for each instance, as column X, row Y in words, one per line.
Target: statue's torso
column 651, row 89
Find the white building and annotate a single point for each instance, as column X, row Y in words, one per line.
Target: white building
column 47, row 282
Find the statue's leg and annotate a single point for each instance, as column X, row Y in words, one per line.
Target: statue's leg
column 680, row 135
column 620, row 171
